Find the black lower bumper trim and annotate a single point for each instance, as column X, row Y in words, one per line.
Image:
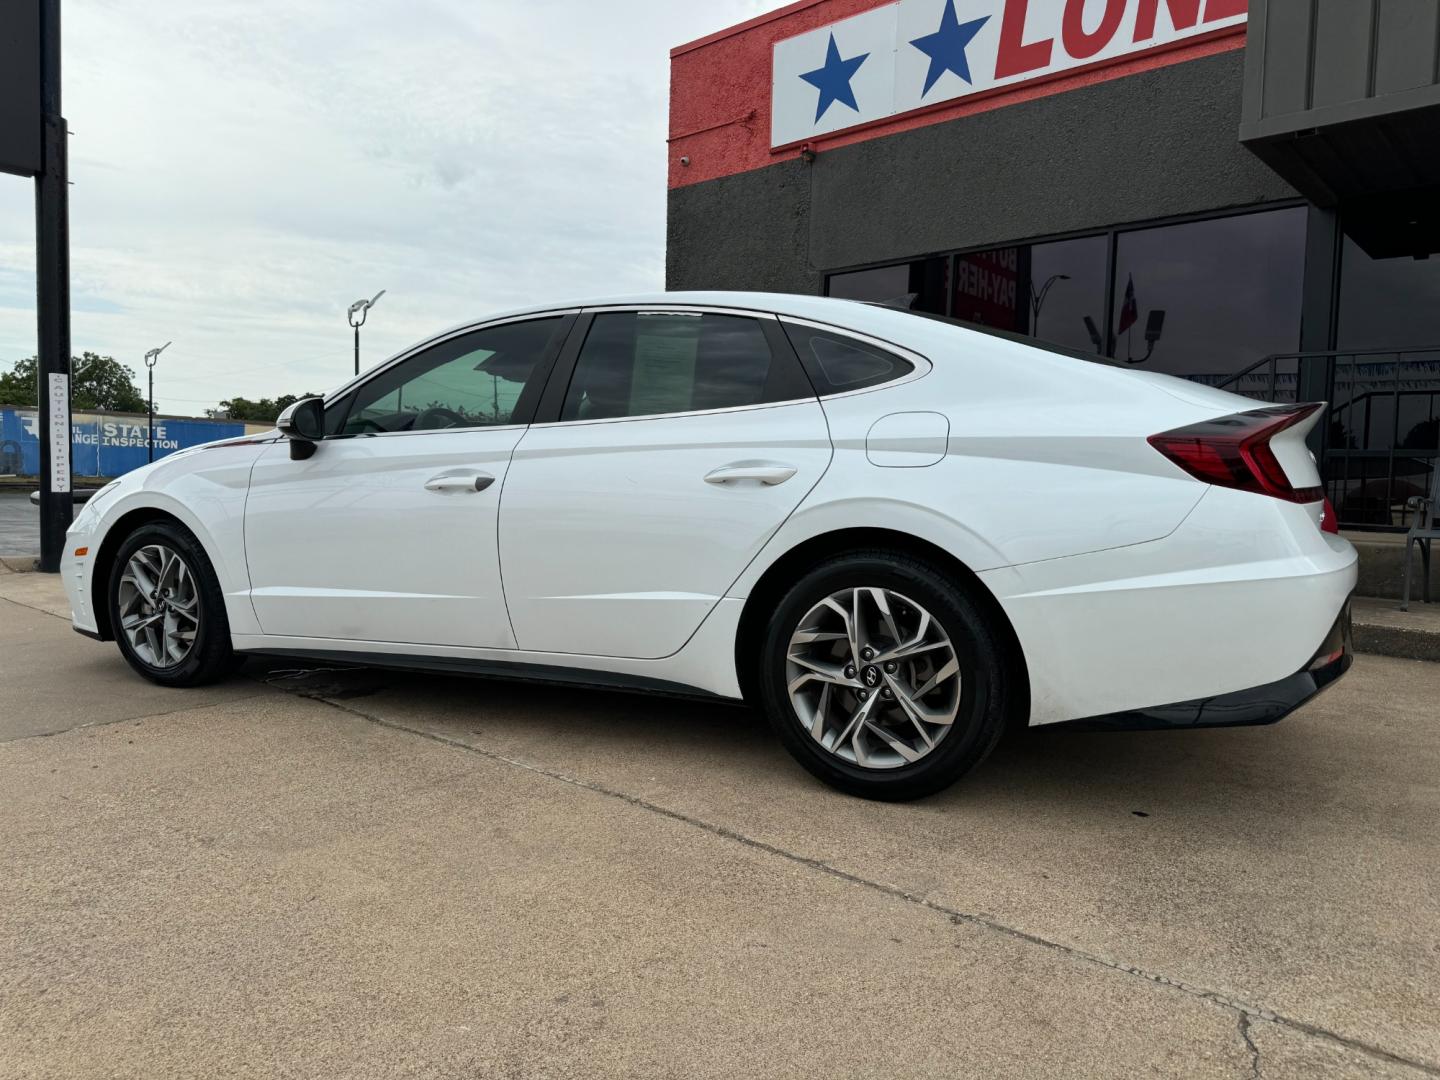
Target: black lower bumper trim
column 1258, row 705
column 93, row 635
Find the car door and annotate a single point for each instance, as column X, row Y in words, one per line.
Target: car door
column 670, row 446
column 387, row 533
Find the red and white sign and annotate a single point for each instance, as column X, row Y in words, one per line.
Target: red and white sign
column 912, row 54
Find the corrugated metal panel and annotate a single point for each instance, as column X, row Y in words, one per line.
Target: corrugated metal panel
column 1342, row 54
column 1407, row 45
column 1339, row 59
column 1342, row 99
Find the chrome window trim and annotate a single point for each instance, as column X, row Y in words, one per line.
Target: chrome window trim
column 426, row 431
column 678, row 415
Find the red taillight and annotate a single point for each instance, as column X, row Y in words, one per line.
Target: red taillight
column 1328, row 522
column 1234, row 451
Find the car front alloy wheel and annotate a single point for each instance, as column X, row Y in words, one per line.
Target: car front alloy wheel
column 167, row 611
column 159, row 606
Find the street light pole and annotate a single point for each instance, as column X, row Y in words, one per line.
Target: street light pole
column 150, row 358
column 1037, row 300
column 361, row 308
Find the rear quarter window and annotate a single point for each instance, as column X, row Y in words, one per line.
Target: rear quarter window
column 837, row 363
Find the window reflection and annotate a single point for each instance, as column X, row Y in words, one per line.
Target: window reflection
column 1054, row 291
column 918, row 285
column 1387, row 303
column 1228, row 291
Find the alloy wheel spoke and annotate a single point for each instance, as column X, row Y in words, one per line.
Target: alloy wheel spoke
column 852, row 727
column 917, row 711
column 882, row 603
column 822, row 712
column 894, row 742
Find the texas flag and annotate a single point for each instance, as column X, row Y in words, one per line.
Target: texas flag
column 1129, row 310
column 913, row 53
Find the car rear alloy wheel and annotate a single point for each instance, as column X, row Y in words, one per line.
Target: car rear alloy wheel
column 885, row 675
column 159, row 606
column 873, row 678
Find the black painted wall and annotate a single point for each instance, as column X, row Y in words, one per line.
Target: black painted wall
column 1157, row 144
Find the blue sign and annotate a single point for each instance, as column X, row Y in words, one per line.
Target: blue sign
column 103, row 444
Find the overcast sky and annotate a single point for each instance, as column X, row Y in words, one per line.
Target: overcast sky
column 244, row 170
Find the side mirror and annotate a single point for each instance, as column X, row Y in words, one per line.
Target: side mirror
column 303, row 423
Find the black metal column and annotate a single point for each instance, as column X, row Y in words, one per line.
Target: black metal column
column 52, row 249
column 1319, row 300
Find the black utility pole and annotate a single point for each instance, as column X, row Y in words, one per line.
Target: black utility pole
column 52, row 249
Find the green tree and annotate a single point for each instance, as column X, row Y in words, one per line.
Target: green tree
column 96, row 382
column 264, row 411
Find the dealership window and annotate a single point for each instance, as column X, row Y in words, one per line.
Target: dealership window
column 1205, row 299
column 1385, row 407
column 1053, row 291
column 918, row 285
column 1387, row 303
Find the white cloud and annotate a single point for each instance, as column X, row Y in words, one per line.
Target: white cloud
column 242, row 171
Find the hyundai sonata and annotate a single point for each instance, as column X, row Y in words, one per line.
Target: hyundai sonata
column 893, row 535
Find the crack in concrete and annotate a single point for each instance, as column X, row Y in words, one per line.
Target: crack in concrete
column 1248, row 1013
column 92, row 724
column 32, row 607
column 1250, row 1045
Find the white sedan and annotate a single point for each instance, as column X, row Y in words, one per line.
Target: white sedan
column 894, row 535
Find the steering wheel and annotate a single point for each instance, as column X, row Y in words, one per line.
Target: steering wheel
column 449, row 415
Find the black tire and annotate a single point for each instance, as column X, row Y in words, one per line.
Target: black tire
column 985, row 696
column 210, row 657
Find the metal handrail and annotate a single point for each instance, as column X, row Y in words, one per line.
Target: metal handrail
column 1364, row 377
column 1321, row 354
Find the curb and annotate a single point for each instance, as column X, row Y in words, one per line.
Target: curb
column 1400, row 642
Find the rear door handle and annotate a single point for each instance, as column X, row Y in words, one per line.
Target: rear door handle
column 767, row 472
column 454, row 483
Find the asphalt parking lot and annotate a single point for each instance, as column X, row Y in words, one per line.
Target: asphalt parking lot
column 354, row 873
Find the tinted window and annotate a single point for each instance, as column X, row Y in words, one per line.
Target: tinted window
column 1387, row 303
column 474, row 380
column 647, row 363
column 1046, row 291
column 836, row 363
column 916, row 286
column 1207, row 298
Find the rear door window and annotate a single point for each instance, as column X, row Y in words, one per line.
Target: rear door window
column 651, row 363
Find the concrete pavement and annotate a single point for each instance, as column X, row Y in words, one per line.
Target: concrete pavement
column 360, row 873
column 19, row 524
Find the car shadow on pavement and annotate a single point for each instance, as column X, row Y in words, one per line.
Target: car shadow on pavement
column 614, row 739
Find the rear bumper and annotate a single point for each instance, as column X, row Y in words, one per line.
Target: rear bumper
column 1239, row 597
column 1242, row 708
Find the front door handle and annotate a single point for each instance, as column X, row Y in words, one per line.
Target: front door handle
column 767, row 472
column 454, row 483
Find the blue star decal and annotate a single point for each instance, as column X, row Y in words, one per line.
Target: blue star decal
column 946, row 47
column 833, row 80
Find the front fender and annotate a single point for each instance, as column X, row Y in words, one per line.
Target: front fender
column 206, row 493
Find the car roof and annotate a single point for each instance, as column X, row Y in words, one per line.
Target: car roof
column 799, row 305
